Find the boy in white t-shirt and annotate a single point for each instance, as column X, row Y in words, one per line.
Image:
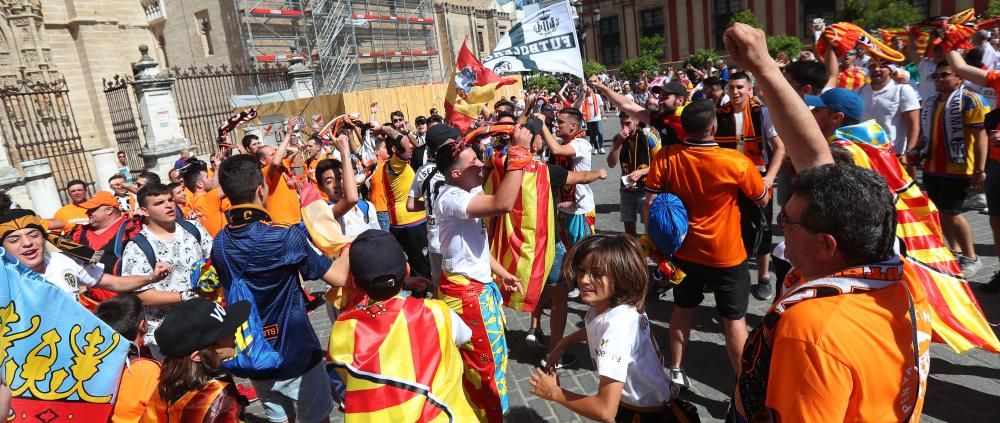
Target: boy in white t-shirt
column 23, row 236
column 427, row 185
column 355, row 215
column 466, row 283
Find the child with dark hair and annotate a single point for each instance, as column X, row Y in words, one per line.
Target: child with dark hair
column 611, row 273
column 124, row 313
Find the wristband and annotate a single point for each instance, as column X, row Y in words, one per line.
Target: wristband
column 517, row 158
column 187, row 295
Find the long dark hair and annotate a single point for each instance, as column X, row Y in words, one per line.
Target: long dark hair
column 182, row 374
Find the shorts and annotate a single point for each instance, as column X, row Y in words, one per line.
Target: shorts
column 731, row 286
column 383, row 220
column 306, row 398
column 413, row 239
column 480, row 306
column 992, row 187
column 574, row 227
column 631, row 207
column 555, row 275
column 947, row 192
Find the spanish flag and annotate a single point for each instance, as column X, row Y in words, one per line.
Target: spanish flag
column 523, row 241
column 400, row 363
column 956, row 317
column 472, row 85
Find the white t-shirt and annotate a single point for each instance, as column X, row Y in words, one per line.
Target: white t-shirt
column 887, row 106
column 69, row 275
column 430, row 198
column 465, row 249
column 926, row 87
column 595, row 103
column 623, row 350
column 581, row 163
column 460, row 332
column 356, row 221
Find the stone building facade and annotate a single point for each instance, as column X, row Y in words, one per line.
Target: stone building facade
column 481, row 21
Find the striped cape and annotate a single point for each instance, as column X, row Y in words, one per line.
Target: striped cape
column 399, row 363
column 523, row 241
column 956, row 317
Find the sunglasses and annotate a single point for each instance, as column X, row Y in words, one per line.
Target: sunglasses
column 784, row 222
column 397, row 120
column 941, row 75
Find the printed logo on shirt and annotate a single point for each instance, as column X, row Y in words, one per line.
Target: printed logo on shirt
column 603, row 353
column 219, row 313
column 71, row 280
column 271, row 331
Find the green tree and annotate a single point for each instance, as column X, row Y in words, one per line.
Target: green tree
column 652, row 45
column 543, row 81
column 593, row 67
column 632, row 68
column 744, row 16
column 879, row 13
column 701, row 56
column 787, row 44
column 993, row 9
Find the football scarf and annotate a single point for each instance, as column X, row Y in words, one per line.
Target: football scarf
column 845, row 36
column 232, row 123
column 953, row 121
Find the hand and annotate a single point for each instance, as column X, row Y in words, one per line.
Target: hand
column 374, row 107
column 768, row 182
column 624, row 133
column 160, row 271
column 594, row 82
column 747, row 47
column 416, row 283
column 343, row 144
column 635, row 175
column 994, row 139
column 977, row 181
column 603, row 174
column 903, row 160
column 540, row 116
column 509, row 282
column 545, row 384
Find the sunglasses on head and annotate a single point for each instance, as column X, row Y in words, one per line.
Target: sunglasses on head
column 941, row 75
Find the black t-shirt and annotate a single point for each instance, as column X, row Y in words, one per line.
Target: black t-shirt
column 557, row 179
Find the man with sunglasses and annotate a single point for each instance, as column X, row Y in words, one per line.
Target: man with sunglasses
column 954, row 157
column 896, row 107
column 635, row 148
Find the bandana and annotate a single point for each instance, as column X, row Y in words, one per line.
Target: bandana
column 952, row 119
column 751, row 390
column 17, row 219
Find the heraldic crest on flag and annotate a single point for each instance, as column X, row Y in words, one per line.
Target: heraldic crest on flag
column 60, row 362
column 472, row 85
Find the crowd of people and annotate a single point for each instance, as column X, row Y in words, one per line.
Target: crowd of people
column 426, row 234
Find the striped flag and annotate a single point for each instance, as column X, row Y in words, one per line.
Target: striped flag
column 956, row 318
column 471, row 86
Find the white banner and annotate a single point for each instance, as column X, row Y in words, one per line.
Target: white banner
column 544, row 41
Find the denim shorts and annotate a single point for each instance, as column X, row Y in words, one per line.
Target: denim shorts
column 307, row 398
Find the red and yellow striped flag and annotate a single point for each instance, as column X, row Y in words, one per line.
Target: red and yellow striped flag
column 399, row 363
column 472, row 85
column 523, row 241
column 957, row 319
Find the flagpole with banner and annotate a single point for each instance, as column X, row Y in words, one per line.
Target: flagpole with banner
column 470, row 87
column 543, row 41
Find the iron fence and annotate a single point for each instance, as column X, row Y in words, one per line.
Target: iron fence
column 120, row 94
column 38, row 123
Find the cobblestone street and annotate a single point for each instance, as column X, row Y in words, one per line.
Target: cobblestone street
column 962, row 388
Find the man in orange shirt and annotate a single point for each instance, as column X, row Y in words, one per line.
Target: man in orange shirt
column 849, row 337
column 206, row 197
column 72, row 214
column 376, row 184
column 282, row 185
column 709, row 180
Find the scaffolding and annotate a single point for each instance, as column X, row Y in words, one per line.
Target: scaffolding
column 273, row 30
column 362, row 44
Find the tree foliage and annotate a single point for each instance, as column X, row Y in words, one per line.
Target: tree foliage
column 632, row 68
column 652, row 45
column 879, row 13
column 787, row 44
column 993, row 9
column 593, row 67
column 543, row 81
column 744, row 16
column 701, row 56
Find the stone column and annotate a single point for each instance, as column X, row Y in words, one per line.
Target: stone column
column 41, row 187
column 106, row 166
column 12, row 181
column 158, row 113
column 300, row 76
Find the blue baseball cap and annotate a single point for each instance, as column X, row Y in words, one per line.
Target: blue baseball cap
column 839, row 99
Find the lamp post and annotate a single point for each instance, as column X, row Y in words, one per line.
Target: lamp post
column 581, row 26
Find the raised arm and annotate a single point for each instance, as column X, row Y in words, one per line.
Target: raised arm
column 638, row 112
column 964, row 70
column 575, row 178
column 348, row 182
column 804, row 142
column 552, row 143
column 832, row 66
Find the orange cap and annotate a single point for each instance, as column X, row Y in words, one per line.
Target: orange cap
column 102, row 198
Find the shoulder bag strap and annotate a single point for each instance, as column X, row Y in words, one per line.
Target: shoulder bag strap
column 916, row 350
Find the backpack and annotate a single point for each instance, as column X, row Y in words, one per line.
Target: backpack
column 144, row 245
column 254, row 354
column 363, row 205
column 668, row 223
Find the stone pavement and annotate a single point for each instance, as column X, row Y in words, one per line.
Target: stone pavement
column 961, row 388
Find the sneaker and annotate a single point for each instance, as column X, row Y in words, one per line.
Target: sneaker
column 975, row 202
column 574, row 294
column 969, row 266
column 993, row 287
column 678, row 377
column 985, row 210
column 762, row 289
column 593, row 152
column 568, row 359
column 247, row 391
column 601, row 151
column 536, row 339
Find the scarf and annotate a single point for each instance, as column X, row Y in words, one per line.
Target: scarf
column 751, row 389
column 589, row 107
column 952, row 119
column 567, row 195
column 845, row 36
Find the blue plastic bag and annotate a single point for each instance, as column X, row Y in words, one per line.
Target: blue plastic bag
column 668, row 223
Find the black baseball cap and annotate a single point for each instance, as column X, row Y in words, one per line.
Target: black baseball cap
column 420, row 120
column 534, row 126
column 672, row 87
column 377, row 260
column 439, row 134
column 196, row 324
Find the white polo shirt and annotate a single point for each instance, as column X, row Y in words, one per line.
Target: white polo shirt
column 887, row 106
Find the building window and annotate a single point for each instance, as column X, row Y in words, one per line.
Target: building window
column 480, row 41
column 651, row 21
column 204, row 26
column 503, row 32
column 724, row 10
column 610, row 36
